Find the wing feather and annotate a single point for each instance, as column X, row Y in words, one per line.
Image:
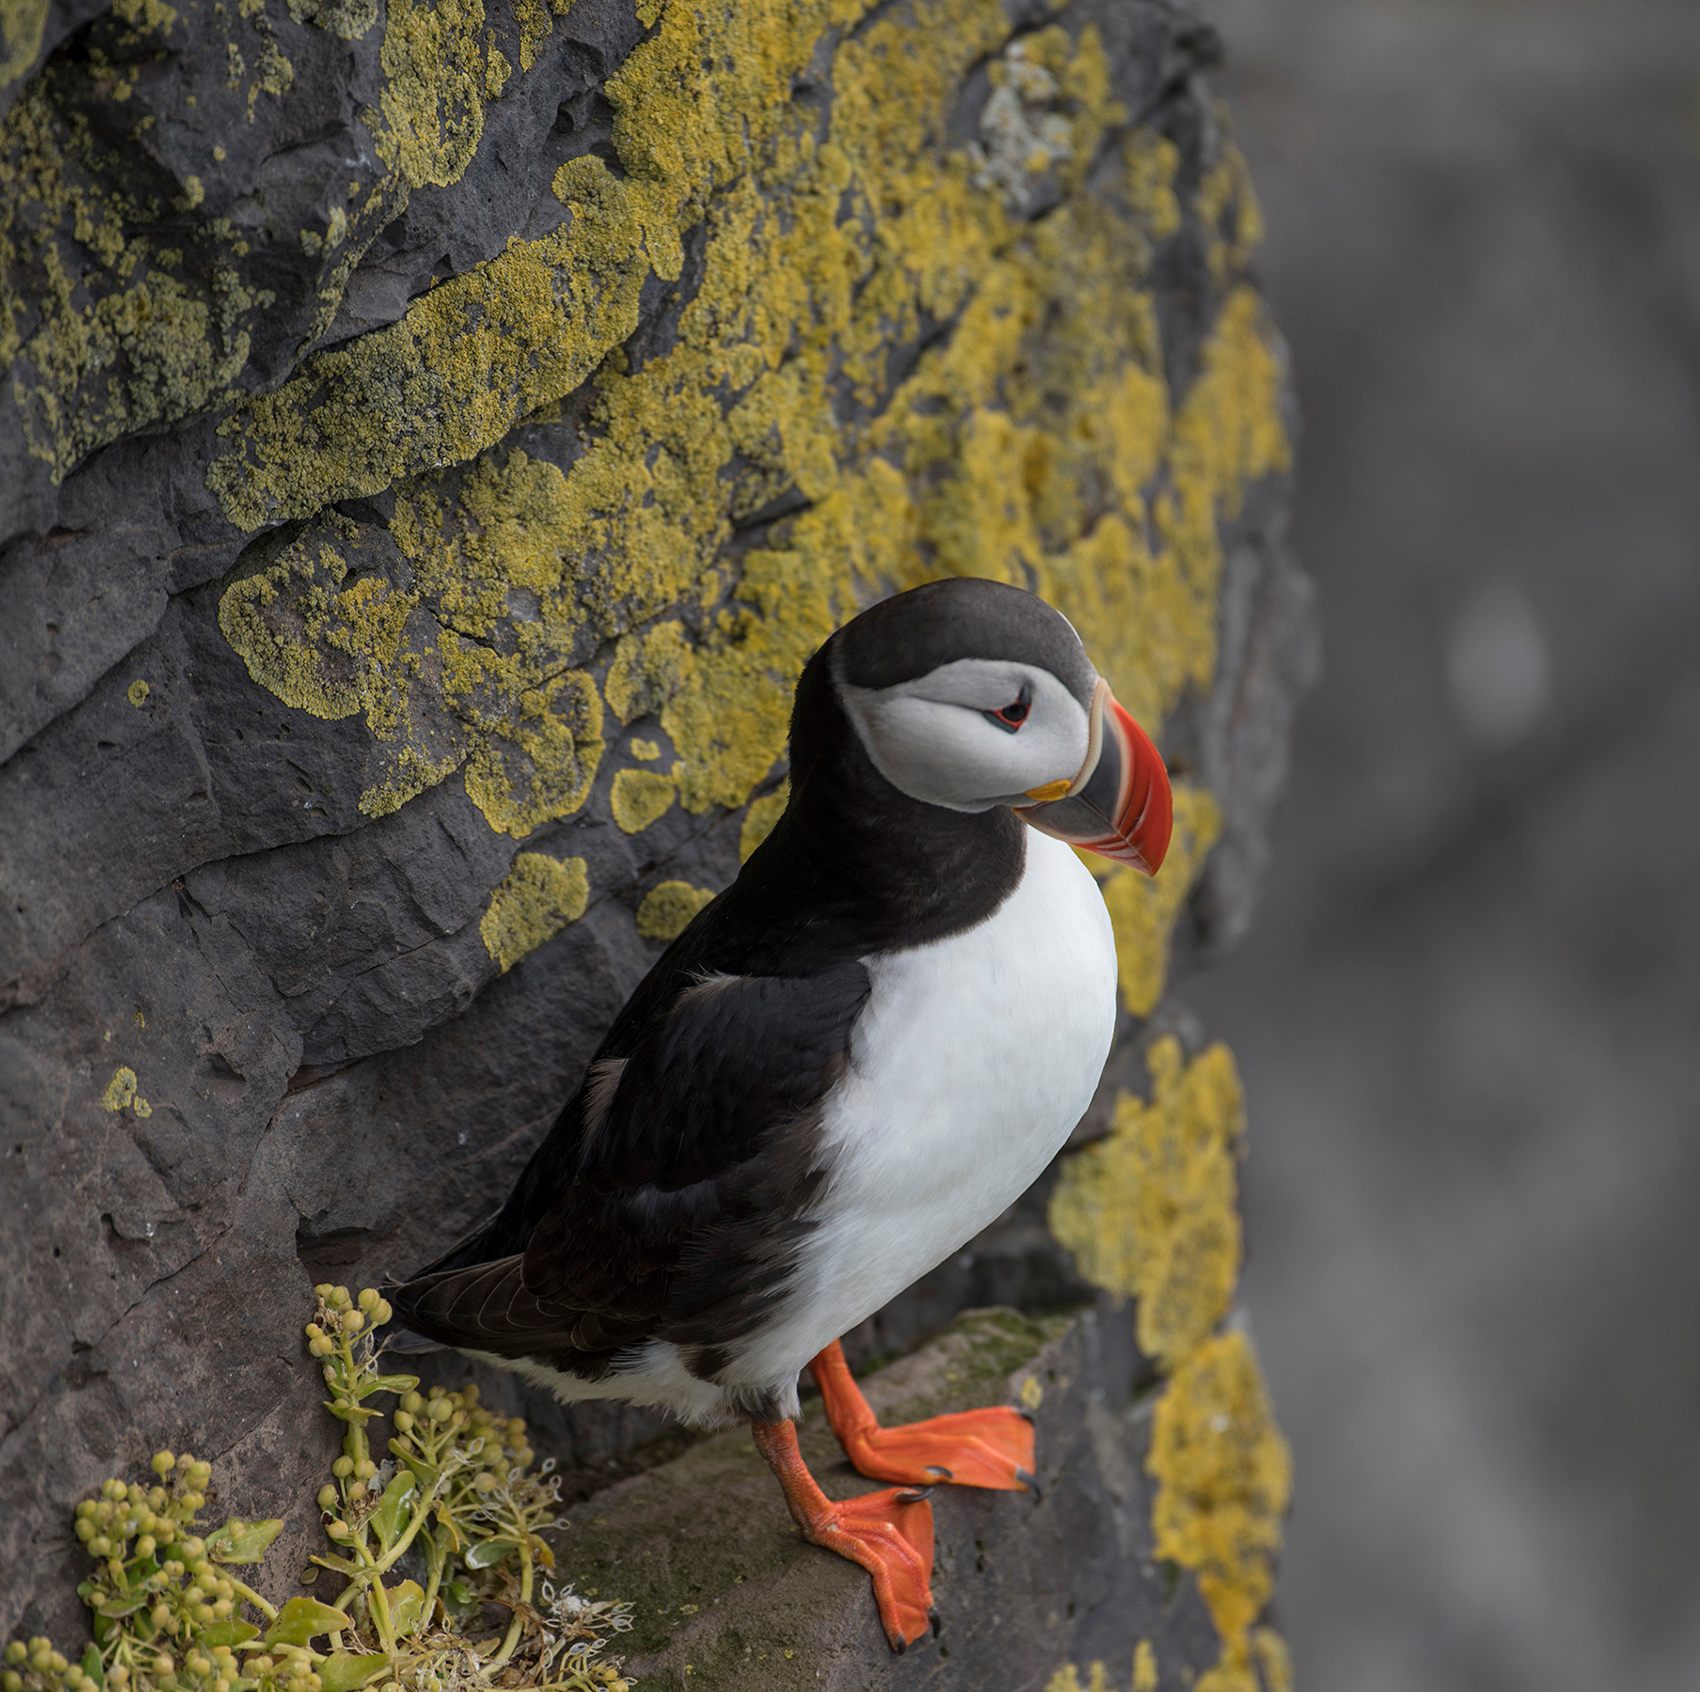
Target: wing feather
column 671, row 1200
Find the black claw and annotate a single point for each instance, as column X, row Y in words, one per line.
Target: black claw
column 914, row 1494
column 1031, row 1482
column 899, row 1646
column 941, row 1471
column 1026, row 1415
column 933, row 1617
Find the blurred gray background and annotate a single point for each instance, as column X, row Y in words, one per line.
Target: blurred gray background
column 1469, row 1014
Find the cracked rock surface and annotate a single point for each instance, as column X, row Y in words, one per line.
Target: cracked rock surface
column 422, row 472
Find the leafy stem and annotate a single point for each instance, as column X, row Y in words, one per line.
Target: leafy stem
column 453, row 1498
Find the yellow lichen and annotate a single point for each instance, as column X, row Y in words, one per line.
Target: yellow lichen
column 668, row 907
column 148, row 16
column 1144, row 909
column 759, row 819
column 1035, row 438
column 465, row 363
column 1149, row 1211
column 122, row 1094
column 1269, row 1651
column 432, row 103
column 1066, row 1679
column 437, row 695
column 646, row 751
column 1228, row 207
column 107, row 331
column 1224, row 1480
column 646, row 669
column 639, row 798
column 22, row 23
column 137, row 692
column 532, row 903
column 320, row 639
column 120, row 310
column 348, row 20
column 1031, row 1393
column 535, row 23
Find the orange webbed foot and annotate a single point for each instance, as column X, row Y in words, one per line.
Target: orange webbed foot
column 986, row 1448
column 890, row 1534
column 990, row 1448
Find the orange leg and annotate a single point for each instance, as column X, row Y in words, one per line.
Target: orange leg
column 989, row 1448
column 889, row 1533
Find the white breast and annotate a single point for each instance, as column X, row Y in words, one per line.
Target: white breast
column 971, row 1064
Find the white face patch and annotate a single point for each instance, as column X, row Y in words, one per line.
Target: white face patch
column 935, row 738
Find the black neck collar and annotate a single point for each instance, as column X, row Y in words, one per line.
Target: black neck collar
column 854, row 866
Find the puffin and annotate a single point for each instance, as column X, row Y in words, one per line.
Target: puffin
column 851, row 1061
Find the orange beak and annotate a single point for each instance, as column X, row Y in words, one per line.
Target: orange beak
column 1119, row 805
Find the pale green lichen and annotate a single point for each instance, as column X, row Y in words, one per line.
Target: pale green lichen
column 137, row 692
column 532, row 903
column 1023, row 132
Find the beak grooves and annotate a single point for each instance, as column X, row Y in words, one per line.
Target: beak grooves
column 1120, row 804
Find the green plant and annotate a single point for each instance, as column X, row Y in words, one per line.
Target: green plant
column 433, row 1538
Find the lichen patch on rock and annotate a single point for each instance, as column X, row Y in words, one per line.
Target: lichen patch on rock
column 532, row 903
column 1150, row 1210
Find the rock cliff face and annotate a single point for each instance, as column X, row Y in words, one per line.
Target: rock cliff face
column 434, row 437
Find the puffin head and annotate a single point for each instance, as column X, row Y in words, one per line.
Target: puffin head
column 970, row 694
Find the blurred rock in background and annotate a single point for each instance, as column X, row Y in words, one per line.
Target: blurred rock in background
column 1466, row 1015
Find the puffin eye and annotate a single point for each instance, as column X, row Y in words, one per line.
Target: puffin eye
column 1014, row 714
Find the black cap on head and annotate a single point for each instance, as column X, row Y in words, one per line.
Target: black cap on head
column 913, row 633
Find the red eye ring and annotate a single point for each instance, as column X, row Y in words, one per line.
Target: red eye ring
column 1011, row 716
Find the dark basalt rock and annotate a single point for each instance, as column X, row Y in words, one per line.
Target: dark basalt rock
column 330, row 1072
